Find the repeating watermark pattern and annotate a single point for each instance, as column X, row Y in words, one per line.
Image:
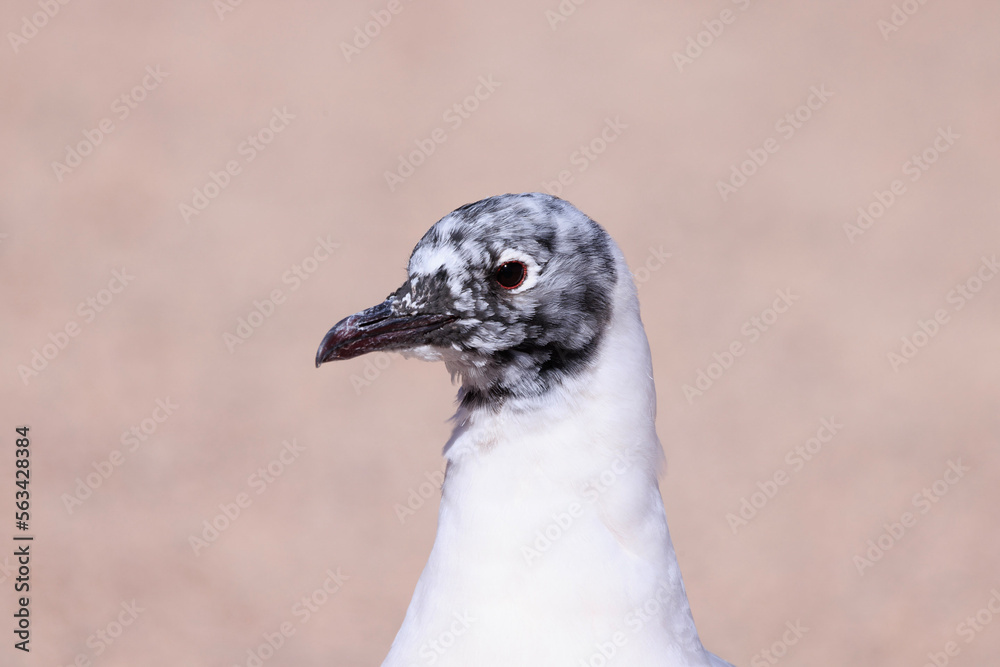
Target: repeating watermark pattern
column 103, row 638
column 88, row 309
column 263, row 309
column 248, row 149
column 258, row 482
column 223, row 7
column 655, row 260
column 968, row 630
column 779, row 649
column 585, row 155
column 899, row 17
column 31, row 25
column 303, row 610
column 958, row 297
column 122, row 108
column 752, row 330
column 787, row 126
column 562, row 12
column 796, row 459
column 454, row 116
column 374, row 365
column 698, row 43
column 131, row 440
column 308, row 605
column 605, row 651
column 433, row 649
column 365, row 34
column 635, row 621
column 301, row 271
column 563, row 522
column 417, row 497
column 914, row 168
column 922, row 501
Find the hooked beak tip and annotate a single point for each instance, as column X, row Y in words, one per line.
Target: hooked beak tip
column 377, row 328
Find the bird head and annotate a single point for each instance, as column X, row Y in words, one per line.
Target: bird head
column 513, row 293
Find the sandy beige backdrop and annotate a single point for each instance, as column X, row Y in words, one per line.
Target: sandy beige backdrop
column 170, row 169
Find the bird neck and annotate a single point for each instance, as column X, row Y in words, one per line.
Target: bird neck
column 589, row 443
column 612, row 397
column 552, row 504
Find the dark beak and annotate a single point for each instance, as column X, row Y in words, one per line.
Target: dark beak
column 377, row 328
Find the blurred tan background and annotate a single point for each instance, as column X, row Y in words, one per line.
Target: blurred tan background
column 227, row 151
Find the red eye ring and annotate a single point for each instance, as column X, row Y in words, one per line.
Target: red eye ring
column 511, row 275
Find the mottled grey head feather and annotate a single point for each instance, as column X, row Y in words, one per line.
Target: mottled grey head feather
column 512, row 343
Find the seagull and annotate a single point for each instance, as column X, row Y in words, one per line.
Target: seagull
column 552, row 545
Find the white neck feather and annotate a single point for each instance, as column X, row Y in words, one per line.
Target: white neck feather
column 552, row 544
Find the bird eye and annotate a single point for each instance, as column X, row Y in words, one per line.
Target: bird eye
column 510, row 275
